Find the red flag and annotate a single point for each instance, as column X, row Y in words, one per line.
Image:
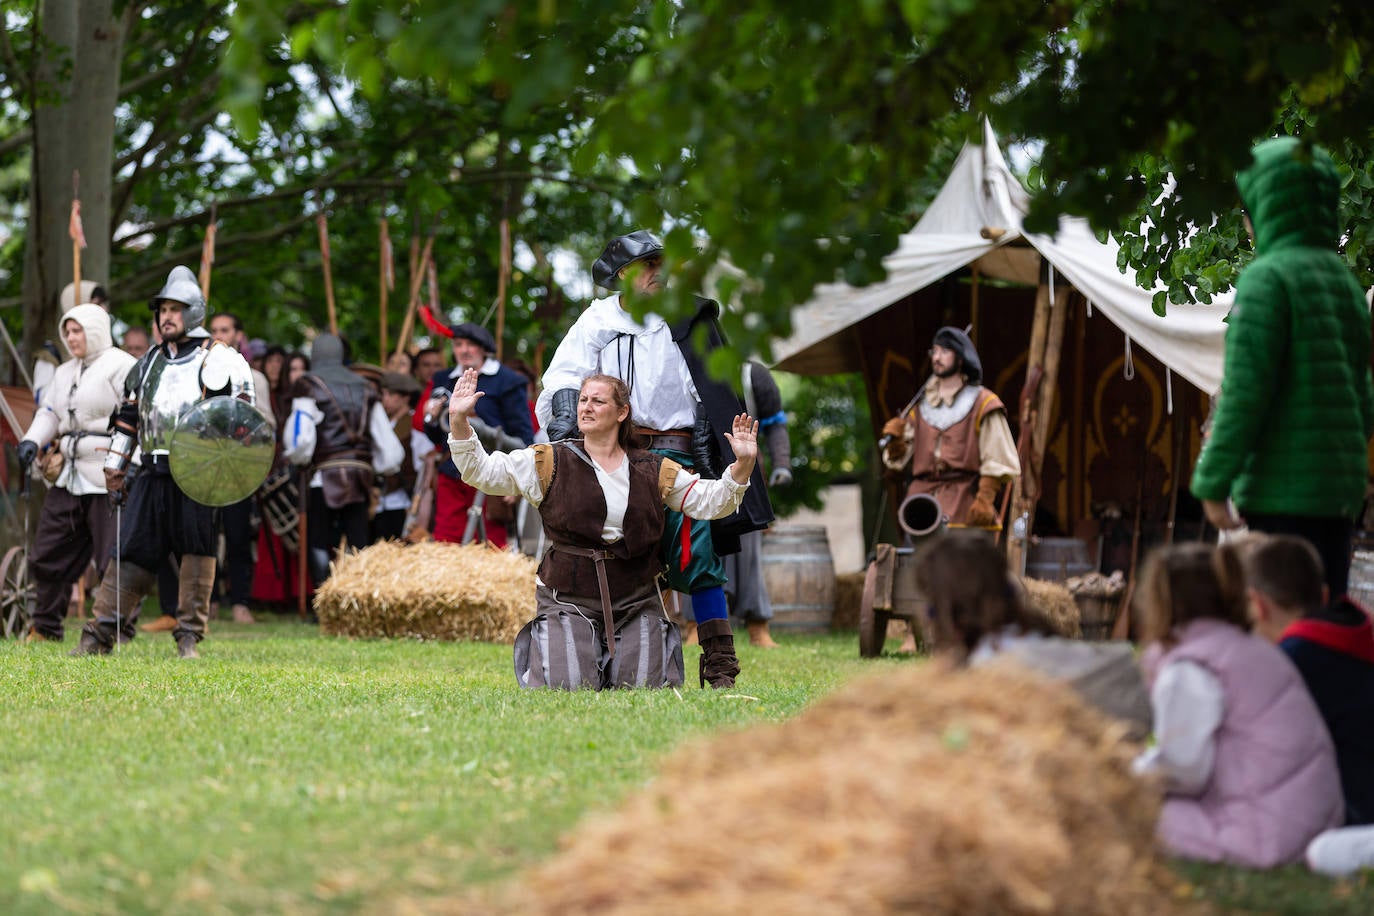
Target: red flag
column 207, row 258
column 74, row 230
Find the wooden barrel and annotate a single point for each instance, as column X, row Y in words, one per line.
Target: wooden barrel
column 1057, row 559
column 800, row 577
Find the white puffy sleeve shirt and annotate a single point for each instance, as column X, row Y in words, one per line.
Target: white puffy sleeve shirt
column 512, row 473
column 606, row 339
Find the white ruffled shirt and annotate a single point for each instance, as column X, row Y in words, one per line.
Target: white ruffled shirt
column 512, row 473
column 606, row 339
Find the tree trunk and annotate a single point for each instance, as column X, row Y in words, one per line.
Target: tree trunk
column 76, row 73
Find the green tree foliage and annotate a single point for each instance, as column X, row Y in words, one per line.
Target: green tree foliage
column 827, row 426
column 790, row 139
column 1141, row 90
column 408, row 152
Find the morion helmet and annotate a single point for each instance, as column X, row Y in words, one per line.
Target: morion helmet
column 181, row 286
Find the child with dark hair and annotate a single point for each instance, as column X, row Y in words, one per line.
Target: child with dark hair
column 977, row 614
column 1332, row 647
column 1248, row 766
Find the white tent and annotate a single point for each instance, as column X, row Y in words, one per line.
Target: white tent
column 981, row 193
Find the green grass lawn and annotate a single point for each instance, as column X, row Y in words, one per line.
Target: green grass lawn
column 286, row 772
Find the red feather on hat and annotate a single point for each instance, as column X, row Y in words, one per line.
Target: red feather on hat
column 434, row 324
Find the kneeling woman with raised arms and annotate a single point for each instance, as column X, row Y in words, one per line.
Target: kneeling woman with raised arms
column 601, row 501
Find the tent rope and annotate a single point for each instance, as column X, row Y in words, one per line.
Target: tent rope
column 1169, row 390
column 1128, row 367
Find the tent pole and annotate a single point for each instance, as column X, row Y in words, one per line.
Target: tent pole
column 1049, row 387
column 973, row 307
column 1026, row 488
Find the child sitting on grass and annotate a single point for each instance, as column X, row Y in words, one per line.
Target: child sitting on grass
column 1248, row 766
column 1332, row 647
column 977, row 614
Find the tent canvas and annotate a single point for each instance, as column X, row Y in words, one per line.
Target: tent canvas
column 981, row 194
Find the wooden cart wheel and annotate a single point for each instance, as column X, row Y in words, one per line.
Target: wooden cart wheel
column 872, row 622
column 16, row 593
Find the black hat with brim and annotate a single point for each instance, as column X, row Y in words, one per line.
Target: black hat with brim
column 475, row 333
column 621, row 253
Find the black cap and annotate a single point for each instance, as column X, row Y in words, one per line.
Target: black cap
column 956, row 340
column 400, row 382
column 621, row 253
column 475, row 333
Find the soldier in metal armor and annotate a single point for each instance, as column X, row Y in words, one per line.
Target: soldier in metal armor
column 338, row 429
column 185, row 369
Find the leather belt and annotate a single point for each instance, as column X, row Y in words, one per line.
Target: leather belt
column 600, row 557
column 672, row 441
column 348, row 463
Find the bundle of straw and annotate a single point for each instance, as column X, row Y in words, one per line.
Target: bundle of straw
column 1054, row 606
column 428, row 591
column 923, row 790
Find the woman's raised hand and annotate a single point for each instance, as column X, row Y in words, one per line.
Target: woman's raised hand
column 744, row 442
column 463, row 402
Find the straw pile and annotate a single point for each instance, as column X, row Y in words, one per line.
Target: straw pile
column 925, row 790
column 1054, row 606
column 428, row 591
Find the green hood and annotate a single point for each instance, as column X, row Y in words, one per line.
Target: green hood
column 1291, row 192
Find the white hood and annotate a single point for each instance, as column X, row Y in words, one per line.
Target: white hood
column 95, row 321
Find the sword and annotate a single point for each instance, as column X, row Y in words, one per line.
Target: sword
column 119, row 518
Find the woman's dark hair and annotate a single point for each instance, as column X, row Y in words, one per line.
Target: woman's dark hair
column 1187, row 582
column 970, row 592
column 298, row 356
column 620, row 396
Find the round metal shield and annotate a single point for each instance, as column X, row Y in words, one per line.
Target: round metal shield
column 221, row 451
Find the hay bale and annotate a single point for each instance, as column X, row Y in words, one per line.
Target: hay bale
column 849, row 591
column 1054, row 605
column 428, row 591
column 922, row 790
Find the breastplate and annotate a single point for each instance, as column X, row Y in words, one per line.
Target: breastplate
column 169, row 389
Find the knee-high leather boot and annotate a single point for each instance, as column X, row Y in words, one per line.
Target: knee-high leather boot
column 116, row 605
column 193, row 603
column 719, row 665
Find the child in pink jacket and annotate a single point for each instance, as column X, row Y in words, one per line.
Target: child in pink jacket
column 1247, row 763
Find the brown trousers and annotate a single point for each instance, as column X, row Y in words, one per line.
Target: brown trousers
column 71, row 530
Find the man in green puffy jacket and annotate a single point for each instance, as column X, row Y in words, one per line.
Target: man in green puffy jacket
column 1297, row 406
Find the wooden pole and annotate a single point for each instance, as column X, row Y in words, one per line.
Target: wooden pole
column 501, row 283
column 416, row 278
column 302, row 537
column 973, row 308
column 1049, row 389
column 385, row 280
column 322, row 223
column 1022, row 504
